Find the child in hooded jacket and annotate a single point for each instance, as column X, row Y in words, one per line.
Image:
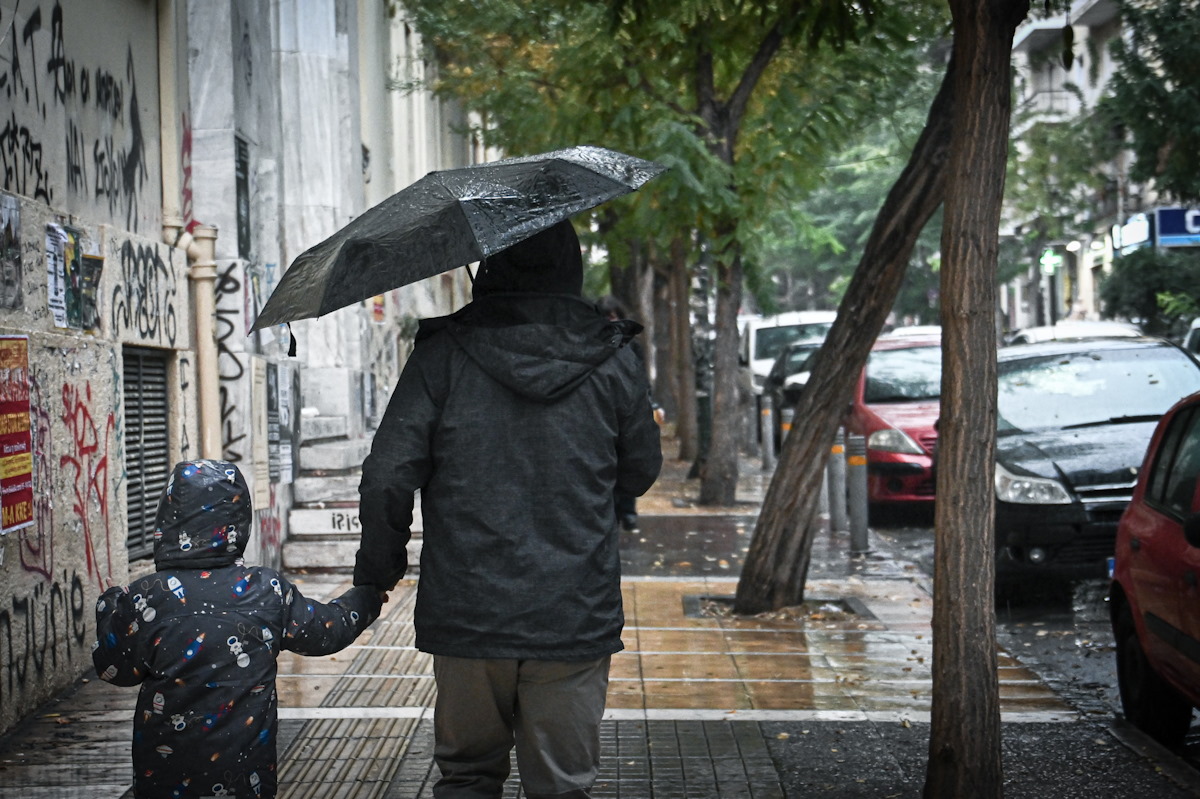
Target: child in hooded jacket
column 201, row 636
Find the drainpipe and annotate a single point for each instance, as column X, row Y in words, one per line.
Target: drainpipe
column 200, row 244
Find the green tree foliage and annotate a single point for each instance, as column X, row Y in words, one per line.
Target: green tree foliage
column 810, row 248
column 1158, row 289
column 1155, row 96
column 744, row 99
column 550, row 73
column 1055, row 177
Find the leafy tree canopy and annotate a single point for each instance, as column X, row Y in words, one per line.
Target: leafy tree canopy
column 1155, row 96
column 811, row 246
column 550, row 73
column 1159, row 289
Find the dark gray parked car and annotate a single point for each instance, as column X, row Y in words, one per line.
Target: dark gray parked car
column 1075, row 419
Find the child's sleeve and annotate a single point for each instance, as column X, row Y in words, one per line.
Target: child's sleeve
column 116, row 654
column 315, row 628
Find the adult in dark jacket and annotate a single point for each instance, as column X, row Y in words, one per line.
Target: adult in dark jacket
column 515, row 418
column 201, row 636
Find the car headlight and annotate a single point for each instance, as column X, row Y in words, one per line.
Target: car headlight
column 892, row 440
column 1029, row 490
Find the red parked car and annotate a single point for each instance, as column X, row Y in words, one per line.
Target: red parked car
column 1155, row 595
column 896, row 407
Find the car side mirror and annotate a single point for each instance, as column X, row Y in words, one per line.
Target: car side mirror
column 1191, row 530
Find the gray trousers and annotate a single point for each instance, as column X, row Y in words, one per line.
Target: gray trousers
column 550, row 710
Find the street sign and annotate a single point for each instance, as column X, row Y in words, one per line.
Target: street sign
column 1177, row 227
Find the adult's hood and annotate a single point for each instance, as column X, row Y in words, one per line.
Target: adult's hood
column 540, row 346
column 548, row 262
column 204, row 516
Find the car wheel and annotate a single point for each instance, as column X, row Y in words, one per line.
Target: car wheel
column 1149, row 702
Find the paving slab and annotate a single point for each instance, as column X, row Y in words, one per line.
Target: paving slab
column 831, row 699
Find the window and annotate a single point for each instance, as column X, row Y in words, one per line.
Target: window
column 147, row 457
column 1173, row 479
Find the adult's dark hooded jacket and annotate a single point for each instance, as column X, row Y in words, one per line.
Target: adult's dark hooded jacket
column 515, row 419
column 201, row 636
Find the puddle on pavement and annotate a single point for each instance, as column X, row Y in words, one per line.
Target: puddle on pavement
column 686, row 546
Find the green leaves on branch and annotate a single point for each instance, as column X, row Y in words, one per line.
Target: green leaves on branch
column 744, row 99
column 1155, row 96
column 1159, row 289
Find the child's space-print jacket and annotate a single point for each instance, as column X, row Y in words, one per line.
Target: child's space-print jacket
column 201, row 636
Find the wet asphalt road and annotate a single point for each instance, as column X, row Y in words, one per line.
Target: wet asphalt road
column 1063, row 635
column 1061, row 631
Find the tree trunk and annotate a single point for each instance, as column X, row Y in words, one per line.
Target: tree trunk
column 964, row 743
column 719, row 474
column 624, row 280
column 664, row 359
column 776, row 566
column 686, row 426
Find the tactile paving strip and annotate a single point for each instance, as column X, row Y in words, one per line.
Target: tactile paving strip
column 356, row 758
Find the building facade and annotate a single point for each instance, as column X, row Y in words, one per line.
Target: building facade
column 161, row 162
column 1063, row 273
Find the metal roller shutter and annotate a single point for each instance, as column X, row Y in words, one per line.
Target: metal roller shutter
column 147, row 458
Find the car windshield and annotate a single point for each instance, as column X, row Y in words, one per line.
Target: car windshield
column 770, row 341
column 1092, row 388
column 798, row 359
column 904, row 375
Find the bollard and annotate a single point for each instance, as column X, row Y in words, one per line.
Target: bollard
column 856, row 493
column 835, row 471
column 823, row 502
column 751, row 426
column 787, row 415
column 767, row 433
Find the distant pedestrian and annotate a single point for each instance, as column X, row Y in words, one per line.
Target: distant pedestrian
column 201, row 636
column 625, row 503
column 516, row 418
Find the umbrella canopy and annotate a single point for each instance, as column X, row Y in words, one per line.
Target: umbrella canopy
column 447, row 219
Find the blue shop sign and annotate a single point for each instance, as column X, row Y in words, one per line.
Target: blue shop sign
column 1177, row 227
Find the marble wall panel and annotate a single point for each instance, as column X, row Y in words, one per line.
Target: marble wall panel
column 79, row 130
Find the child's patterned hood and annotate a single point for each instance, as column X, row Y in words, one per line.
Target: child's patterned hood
column 204, row 516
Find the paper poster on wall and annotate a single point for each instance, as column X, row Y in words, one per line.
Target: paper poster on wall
column 286, row 424
column 16, row 445
column 90, row 267
column 56, row 273
column 258, row 429
column 294, row 427
column 11, row 293
column 73, row 278
column 273, row 421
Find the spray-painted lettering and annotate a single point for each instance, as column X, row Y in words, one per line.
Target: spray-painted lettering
column 143, row 301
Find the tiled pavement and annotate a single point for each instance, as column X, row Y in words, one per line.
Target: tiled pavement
column 686, row 698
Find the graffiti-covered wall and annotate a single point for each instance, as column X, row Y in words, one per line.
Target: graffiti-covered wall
column 87, row 289
column 78, row 108
column 120, row 117
column 81, row 298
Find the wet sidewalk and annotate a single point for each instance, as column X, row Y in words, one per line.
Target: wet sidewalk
column 830, row 699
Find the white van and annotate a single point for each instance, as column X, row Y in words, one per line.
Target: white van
column 1191, row 342
column 764, row 337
